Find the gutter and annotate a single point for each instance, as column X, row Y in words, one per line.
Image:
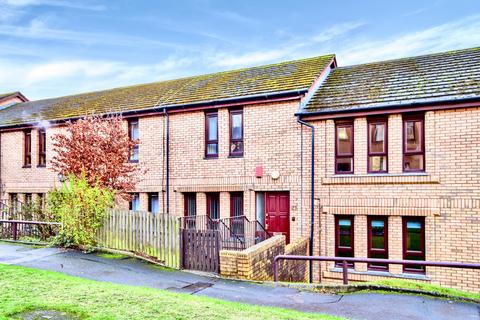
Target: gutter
column 312, row 196
column 388, row 106
column 207, row 103
column 167, row 151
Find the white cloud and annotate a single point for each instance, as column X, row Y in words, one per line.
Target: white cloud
column 337, row 31
column 458, row 34
column 52, row 3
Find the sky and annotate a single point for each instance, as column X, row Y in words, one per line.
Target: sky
column 51, row 48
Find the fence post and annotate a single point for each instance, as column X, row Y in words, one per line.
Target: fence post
column 345, row 272
column 14, row 231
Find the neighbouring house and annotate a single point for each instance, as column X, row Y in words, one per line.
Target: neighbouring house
column 396, row 153
column 11, row 98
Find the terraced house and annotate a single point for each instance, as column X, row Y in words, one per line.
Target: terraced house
column 395, row 155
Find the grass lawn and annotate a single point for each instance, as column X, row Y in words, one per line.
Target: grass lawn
column 436, row 289
column 24, row 289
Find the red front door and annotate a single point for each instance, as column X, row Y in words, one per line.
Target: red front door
column 277, row 213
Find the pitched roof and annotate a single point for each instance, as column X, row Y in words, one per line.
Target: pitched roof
column 4, row 95
column 280, row 77
column 435, row 77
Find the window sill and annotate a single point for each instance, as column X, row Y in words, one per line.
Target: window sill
column 235, row 156
column 411, row 276
column 382, row 178
column 133, row 161
column 210, row 158
column 41, row 166
column 26, row 166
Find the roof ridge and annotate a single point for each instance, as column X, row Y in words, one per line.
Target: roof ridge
column 472, row 49
column 192, row 77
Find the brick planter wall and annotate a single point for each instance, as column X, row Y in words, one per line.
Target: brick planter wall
column 256, row 263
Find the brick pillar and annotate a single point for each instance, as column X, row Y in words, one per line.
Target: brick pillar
column 395, row 244
column 201, row 204
column 143, row 201
column 360, row 241
column 360, row 146
column 395, row 140
column 224, row 204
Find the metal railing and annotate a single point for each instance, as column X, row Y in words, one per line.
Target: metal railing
column 345, row 262
column 236, row 233
column 17, row 229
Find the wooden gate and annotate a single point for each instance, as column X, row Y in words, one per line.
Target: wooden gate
column 201, row 250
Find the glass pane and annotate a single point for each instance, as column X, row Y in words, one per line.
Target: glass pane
column 414, row 162
column 212, row 148
column 378, row 163
column 154, row 203
column 213, row 207
column 345, row 165
column 344, row 140
column 345, row 228
column 134, row 156
column 377, row 137
column 236, row 147
column 212, row 128
column 413, row 135
column 134, row 130
column 378, row 234
column 192, row 205
column 136, row 202
column 237, row 126
column 414, row 236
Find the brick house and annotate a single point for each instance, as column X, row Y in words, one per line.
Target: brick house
column 396, row 147
column 397, row 176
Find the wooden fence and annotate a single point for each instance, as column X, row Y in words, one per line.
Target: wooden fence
column 155, row 236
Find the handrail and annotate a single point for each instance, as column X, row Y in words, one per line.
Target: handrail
column 15, row 223
column 344, row 261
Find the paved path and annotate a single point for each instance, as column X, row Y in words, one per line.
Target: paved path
column 134, row 272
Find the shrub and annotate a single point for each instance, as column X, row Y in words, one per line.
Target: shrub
column 80, row 207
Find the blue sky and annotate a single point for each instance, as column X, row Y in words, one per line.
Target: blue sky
column 51, row 48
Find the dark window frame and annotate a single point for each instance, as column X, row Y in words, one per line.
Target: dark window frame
column 213, row 196
column 341, row 124
column 405, row 251
column 338, row 248
column 242, row 140
column 42, row 148
column 370, row 249
column 406, row 118
column 377, row 154
column 209, row 115
column 131, row 122
column 187, row 196
column 130, row 204
column 27, row 148
column 152, row 195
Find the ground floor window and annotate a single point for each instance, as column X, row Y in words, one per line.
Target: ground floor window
column 344, row 238
column 213, row 205
column 135, row 202
column 414, row 242
column 190, row 210
column 236, row 214
column 378, row 241
column 153, row 203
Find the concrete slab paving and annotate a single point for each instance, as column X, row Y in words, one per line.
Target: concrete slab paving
column 134, row 272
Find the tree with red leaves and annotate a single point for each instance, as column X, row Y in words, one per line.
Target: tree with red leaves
column 100, row 148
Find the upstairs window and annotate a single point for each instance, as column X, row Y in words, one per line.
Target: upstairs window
column 377, row 146
column 344, row 147
column 211, row 135
column 236, row 133
column 413, row 143
column 414, row 242
column 135, row 202
column 27, row 148
column 42, row 148
column 344, row 238
column 134, row 135
column 153, row 203
column 378, row 241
